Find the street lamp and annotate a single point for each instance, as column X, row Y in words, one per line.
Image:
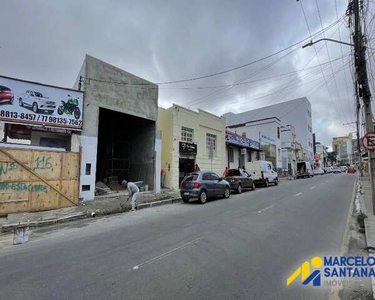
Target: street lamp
column 325, row 39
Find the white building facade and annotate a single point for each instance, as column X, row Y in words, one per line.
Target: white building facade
column 265, row 131
column 288, row 149
column 296, row 113
column 321, row 156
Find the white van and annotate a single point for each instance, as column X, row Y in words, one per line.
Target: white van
column 262, row 172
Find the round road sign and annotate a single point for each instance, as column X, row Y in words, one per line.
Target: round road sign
column 368, row 141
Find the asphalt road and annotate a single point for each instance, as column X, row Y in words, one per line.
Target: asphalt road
column 244, row 247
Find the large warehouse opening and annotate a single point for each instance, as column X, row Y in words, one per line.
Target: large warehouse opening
column 126, row 148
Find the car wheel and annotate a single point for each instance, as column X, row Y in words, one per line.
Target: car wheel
column 239, row 189
column 227, row 192
column 203, row 197
column 266, row 184
column 276, row 181
column 186, row 200
column 253, row 186
column 35, row 107
column 20, row 102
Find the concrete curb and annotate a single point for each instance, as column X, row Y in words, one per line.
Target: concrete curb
column 33, row 224
column 82, row 215
column 159, row 203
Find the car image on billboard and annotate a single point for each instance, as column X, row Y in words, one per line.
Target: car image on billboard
column 39, row 104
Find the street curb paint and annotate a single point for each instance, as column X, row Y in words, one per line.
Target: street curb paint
column 334, row 294
column 81, row 215
column 158, row 203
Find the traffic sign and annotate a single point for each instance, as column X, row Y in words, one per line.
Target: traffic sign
column 368, row 141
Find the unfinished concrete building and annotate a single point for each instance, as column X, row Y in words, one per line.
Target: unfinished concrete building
column 119, row 126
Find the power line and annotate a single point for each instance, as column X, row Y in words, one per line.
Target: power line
column 241, row 79
column 317, row 56
column 151, row 87
column 239, row 67
column 297, row 76
column 346, row 82
column 278, row 91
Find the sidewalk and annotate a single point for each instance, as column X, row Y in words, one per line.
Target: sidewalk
column 370, row 220
column 367, row 209
column 102, row 205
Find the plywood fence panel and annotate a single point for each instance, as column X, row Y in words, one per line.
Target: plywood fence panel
column 34, row 180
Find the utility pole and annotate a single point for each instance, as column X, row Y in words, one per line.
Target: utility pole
column 358, row 107
column 363, row 89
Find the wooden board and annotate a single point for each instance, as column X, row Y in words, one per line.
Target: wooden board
column 34, row 180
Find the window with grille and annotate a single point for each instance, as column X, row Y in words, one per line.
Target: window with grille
column 187, row 134
column 211, row 142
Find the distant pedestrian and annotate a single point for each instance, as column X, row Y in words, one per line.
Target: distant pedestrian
column 226, row 172
column 133, row 191
column 197, row 169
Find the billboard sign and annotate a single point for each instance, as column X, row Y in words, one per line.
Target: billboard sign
column 241, row 141
column 37, row 104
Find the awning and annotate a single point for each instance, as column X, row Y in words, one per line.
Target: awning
column 23, row 132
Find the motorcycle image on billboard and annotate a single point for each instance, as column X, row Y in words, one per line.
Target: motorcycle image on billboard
column 38, row 104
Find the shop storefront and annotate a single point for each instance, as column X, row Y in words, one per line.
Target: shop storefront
column 190, row 138
column 240, row 150
column 187, row 159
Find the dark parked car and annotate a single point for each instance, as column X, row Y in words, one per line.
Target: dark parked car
column 203, row 185
column 6, row 95
column 239, row 180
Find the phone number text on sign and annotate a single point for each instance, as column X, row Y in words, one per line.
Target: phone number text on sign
column 39, row 118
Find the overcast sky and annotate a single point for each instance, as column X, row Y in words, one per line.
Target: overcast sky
column 162, row 41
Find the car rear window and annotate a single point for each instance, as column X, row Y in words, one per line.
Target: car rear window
column 191, row 177
column 234, row 172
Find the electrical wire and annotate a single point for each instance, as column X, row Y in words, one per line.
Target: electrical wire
column 329, row 92
column 199, row 100
column 343, row 62
column 231, row 69
column 297, row 76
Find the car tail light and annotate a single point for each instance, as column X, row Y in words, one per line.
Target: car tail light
column 262, row 174
column 196, row 185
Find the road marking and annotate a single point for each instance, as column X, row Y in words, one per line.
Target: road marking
column 161, row 256
column 259, row 211
column 297, row 194
column 313, row 187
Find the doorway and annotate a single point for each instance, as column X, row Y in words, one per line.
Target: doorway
column 185, row 166
column 126, row 148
